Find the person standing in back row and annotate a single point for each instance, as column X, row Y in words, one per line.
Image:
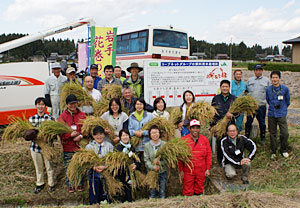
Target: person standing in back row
column 109, row 79
column 135, row 81
column 52, row 89
column 257, row 86
column 278, row 98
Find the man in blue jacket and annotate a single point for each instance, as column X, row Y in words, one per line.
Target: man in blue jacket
column 278, row 98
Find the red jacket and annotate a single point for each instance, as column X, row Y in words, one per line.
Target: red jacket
column 69, row 145
column 201, row 154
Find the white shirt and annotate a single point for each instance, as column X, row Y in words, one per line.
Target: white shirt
column 106, row 147
column 53, row 84
column 95, row 94
column 165, row 114
column 116, row 123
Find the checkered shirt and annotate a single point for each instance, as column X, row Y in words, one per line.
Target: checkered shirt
column 36, row 121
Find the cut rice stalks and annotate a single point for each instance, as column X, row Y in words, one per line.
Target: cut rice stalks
column 242, row 104
column 165, row 126
column 176, row 116
column 16, row 129
column 90, row 122
column 202, row 111
column 111, row 91
column 51, row 129
column 84, row 98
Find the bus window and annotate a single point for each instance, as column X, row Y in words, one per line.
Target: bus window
column 167, row 38
column 132, row 42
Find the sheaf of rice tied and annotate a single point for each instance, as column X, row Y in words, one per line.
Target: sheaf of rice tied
column 50, row 129
column 242, row 104
column 100, row 107
column 134, row 141
column 175, row 116
column 90, row 122
column 75, row 88
column 171, row 152
column 16, row 129
column 165, row 126
column 202, row 111
column 111, row 91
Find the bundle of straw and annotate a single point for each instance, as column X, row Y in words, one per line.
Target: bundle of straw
column 134, row 141
column 114, row 186
column 111, row 91
column 170, row 153
column 84, row 98
column 16, row 129
column 242, row 104
column 91, row 122
column 100, row 107
column 176, row 116
column 49, row 152
column 202, row 111
column 50, row 129
column 165, row 126
column 82, row 161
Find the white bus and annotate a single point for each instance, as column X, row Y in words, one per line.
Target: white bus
column 164, row 43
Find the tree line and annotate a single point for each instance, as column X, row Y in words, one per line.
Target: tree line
column 238, row 51
column 40, row 47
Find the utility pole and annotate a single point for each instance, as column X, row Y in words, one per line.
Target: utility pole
column 231, row 48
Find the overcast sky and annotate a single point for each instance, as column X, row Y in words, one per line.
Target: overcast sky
column 267, row 22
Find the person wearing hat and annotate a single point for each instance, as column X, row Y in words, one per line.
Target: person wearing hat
column 194, row 173
column 256, row 87
column 94, row 74
column 52, row 89
column 36, row 152
column 72, row 116
column 109, row 79
column 233, row 146
column 101, row 148
column 71, row 75
column 135, row 81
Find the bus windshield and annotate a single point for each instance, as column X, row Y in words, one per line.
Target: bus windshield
column 167, row 38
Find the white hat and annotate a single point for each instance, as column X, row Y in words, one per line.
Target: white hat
column 55, row 65
column 70, row 69
column 194, row 122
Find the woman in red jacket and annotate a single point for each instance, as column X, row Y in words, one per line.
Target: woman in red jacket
column 194, row 173
column 72, row 117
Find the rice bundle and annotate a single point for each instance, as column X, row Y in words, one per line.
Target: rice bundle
column 49, row 152
column 134, row 141
column 16, row 129
column 114, row 186
column 82, row 161
column 91, row 122
column 84, row 98
column 100, row 107
column 170, row 153
column 111, row 91
column 176, row 116
column 242, row 104
column 202, row 111
column 165, row 126
column 50, row 129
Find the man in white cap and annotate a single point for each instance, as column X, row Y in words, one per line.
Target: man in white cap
column 52, row 89
column 194, row 173
column 71, row 74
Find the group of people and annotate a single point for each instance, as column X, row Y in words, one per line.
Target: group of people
column 231, row 147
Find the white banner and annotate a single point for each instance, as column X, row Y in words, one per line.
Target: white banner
column 169, row 79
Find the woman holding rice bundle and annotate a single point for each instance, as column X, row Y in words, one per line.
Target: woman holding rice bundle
column 136, row 121
column 154, row 165
column 160, row 108
column 124, row 175
column 188, row 100
column 115, row 117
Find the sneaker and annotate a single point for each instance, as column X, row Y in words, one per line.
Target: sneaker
column 71, row 190
column 285, row 154
column 80, row 188
column 38, row 189
column 51, row 189
column 273, row 156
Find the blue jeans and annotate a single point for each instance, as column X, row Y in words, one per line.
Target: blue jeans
column 67, row 158
column 261, row 117
column 239, row 122
column 96, row 190
column 162, row 181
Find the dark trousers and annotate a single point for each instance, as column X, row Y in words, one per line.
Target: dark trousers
column 67, row 158
column 162, row 181
column 284, row 133
column 260, row 116
column 127, row 193
column 96, row 189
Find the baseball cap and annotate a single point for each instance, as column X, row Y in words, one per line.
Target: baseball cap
column 258, row 66
column 71, row 99
column 70, row 69
column 55, row 65
column 194, row 122
column 98, row 129
column 94, row 66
